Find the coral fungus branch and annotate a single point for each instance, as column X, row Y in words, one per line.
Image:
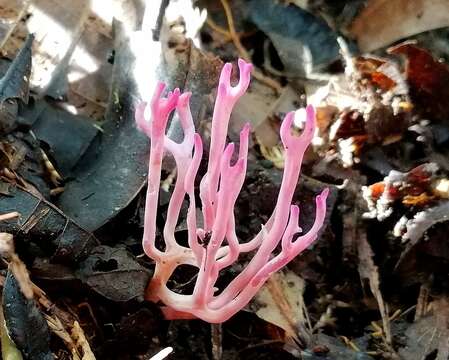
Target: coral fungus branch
column 216, row 246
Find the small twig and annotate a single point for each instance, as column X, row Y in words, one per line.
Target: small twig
column 275, row 85
column 91, row 313
column 349, row 343
column 262, row 344
column 406, row 312
column 307, row 317
column 160, row 20
column 9, row 216
column 222, row 31
column 232, row 32
column 423, row 302
column 241, row 338
column 217, row 28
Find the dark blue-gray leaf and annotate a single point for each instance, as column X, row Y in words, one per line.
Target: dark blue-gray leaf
column 66, row 135
column 14, row 86
column 25, row 323
column 114, row 273
column 45, row 225
column 303, row 41
column 115, row 168
column 15, row 83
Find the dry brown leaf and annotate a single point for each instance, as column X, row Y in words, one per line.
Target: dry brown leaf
column 280, row 302
column 413, row 230
column 427, row 78
column 384, row 21
column 259, row 106
column 16, row 265
column 355, row 239
column 75, row 341
column 73, row 42
column 58, row 329
column 369, row 271
column 54, row 41
column 266, row 113
column 412, row 188
column 22, row 276
column 81, row 342
column 64, row 325
column 11, row 12
column 367, row 106
column 6, row 245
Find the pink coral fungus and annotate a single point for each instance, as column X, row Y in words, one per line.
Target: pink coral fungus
column 215, row 245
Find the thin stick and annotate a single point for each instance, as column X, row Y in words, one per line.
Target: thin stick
column 276, row 86
column 9, row 216
column 217, row 28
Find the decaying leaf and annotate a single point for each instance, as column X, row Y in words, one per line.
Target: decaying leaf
column 12, row 13
column 63, row 136
column 366, row 107
column 280, row 302
column 414, row 229
column 115, row 274
column 14, row 86
column 369, row 271
column 15, row 83
column 81, row 342
column 55, row 40
column 304, row 42
column 355, row 240
column 21, row 275
column 428, row 336
column 255, row 106
column 414, row 188
column 65, row 325
column 26, row 324
column 44, row 224
column 267, row 113
column 383, row 22
column 428, row 78
column 57, row 320
column 113, row 172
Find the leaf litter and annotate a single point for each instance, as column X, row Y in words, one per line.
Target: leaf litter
column 73, row 167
